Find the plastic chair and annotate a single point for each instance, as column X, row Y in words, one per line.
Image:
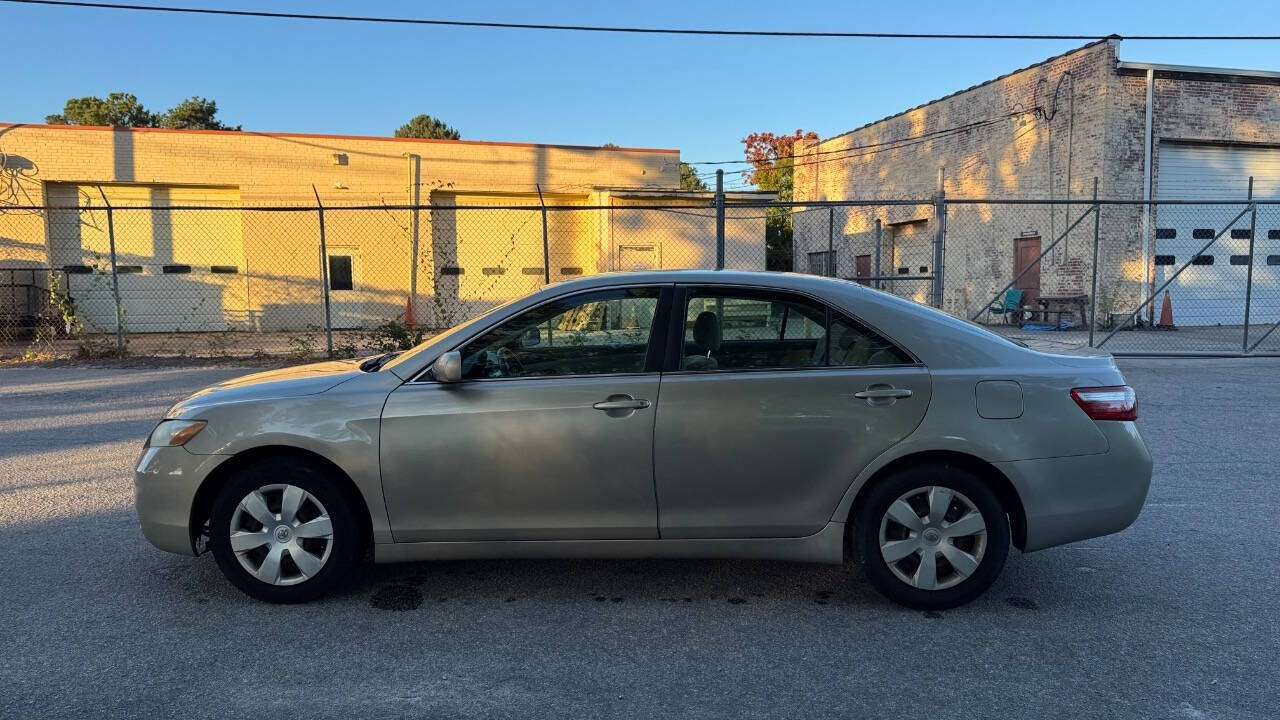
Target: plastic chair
column 1011, row 304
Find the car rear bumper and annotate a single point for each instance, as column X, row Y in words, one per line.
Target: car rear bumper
column 1085, row 496
column 164, row 486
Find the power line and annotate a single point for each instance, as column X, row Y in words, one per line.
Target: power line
column 628, row 29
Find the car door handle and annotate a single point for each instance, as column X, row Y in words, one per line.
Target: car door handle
column 627, row 404
column 882, row 393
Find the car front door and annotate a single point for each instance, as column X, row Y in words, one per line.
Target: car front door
column 549, row 435
column 772, row 404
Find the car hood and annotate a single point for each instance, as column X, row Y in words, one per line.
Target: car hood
column 273, row 384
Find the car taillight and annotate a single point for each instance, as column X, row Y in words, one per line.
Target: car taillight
column 1115, row 402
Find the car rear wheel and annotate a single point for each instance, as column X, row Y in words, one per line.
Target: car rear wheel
column 282, row 531
column 932, row 537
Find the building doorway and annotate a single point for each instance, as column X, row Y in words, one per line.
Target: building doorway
column 1026, row 250
column 862, row 269
column 345, row 287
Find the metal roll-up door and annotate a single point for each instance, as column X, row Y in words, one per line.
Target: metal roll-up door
column 1211, row 290
column 178, row 270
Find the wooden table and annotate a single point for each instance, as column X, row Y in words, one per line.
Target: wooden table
column 1080, row 303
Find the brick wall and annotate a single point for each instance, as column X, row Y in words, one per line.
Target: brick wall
column 280, row 168
column 1022, row 153
column 1026, row 157
column 1185, row 108
column 280, row 258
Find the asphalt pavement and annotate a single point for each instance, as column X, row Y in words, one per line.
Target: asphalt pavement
column 1174, row 618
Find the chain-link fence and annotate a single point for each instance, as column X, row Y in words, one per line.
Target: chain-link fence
column 215, row 281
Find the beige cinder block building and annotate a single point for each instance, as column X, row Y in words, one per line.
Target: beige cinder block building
column 1044, row 132
column 231, row 238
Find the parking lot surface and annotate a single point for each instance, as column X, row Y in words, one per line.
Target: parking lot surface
column 1174, row 618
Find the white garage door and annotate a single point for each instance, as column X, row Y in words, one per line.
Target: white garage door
column 486, row 256
column 179, row 270
column 1211, row 291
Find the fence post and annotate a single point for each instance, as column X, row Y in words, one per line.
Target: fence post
column 1093, row 286
column 115, row 277
column 719, row 219
column 415, row 199
column 324, row 277
column 546, row 242
column 831, row 242
column 940, row 216
column 1248, row 283
column 879, row 282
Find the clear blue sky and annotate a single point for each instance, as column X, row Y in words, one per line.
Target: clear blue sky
column 701, row 95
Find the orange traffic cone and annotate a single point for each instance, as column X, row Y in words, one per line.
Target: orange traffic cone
column 1166, row 312
column 409, row 320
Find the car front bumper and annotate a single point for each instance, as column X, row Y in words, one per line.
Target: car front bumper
column 1066, row 499
column 164, row 485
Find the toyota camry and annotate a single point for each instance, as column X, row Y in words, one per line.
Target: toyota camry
column 674, row 414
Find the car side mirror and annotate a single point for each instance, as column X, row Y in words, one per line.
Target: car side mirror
column 448, row 367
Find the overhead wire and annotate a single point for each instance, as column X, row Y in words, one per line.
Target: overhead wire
column 628, row 29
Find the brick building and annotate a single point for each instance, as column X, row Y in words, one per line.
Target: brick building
column 182, row 269
column 1146, row 131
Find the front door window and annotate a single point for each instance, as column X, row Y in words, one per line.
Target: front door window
column 602, row 333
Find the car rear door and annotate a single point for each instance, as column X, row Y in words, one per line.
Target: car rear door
column 549, row 436
column 760, row 433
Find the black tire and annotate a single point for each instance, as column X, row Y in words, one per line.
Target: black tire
column 346, row 544
column 872, row 511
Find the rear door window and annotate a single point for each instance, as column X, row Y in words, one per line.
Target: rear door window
column 740, row 329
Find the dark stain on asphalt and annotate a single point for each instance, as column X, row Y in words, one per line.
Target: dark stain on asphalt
column 933, row 615
column 600, row 598
column 396, row 597
column 617, row 599
column 1022, row 602
column 824, row 596
column 737, row 601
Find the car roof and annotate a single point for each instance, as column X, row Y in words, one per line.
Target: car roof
column 718, row 277
column 937, row 339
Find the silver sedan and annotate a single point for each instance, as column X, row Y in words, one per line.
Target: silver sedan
column 663, row 414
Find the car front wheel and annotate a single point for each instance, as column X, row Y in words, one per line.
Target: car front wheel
column 932, row 537
column 282, row 531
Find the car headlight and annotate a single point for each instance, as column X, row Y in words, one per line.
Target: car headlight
column 172, row 433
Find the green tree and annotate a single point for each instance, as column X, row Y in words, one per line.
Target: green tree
column 117, row 110
column 773, row 168
column 425, row 126
column 194, row 113
column 689, row 179
column 610, row 146
column 124, row 110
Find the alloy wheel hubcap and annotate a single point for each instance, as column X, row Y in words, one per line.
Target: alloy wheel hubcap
column 932, row 538
column 281, row 534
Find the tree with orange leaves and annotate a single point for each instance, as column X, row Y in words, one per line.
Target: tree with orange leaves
column 773, row 168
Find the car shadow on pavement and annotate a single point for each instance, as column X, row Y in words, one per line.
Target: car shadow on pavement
column 676, row 583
